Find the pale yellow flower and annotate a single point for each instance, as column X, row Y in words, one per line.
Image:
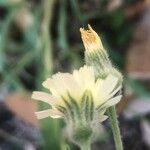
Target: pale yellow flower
column 69, row 90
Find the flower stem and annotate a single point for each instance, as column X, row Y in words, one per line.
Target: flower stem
column 115, row 128
column 48, row 6
column 85, row 146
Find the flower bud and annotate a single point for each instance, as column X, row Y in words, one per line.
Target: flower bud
column 96, row 55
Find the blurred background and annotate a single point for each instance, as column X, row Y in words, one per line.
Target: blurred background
column 41, row 37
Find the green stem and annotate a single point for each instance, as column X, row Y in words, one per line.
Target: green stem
column 76, row 10
column 115, row 128
column 85, row 146
column 46, row 38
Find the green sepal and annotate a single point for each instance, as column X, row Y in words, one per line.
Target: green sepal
column 87, row 105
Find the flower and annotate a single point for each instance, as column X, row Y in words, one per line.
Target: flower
column 81, row 100
column 97, row 57
column 74, row 95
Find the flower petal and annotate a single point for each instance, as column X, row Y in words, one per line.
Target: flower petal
column 42, row 96
column 109, row 84
column 102, row 118
column 48, row 113
column 71, row 86
column 112, row 101
column 85, row 77
column 115, row 91
column 42, row 114
column 54, row 86
column 105, row 89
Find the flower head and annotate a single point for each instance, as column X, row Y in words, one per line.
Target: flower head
column 71, row 91
column 80, row 100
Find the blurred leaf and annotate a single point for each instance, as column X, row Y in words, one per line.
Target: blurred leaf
column 62, row 33
column 137, row 87
column 9, row 3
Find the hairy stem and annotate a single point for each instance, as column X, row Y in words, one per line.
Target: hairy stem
column 85, row 146
column 115, row 127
